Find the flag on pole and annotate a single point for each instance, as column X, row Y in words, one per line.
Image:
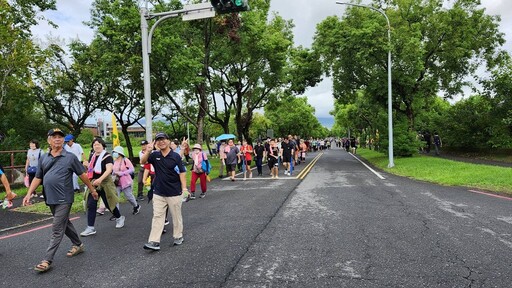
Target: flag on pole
column 115, row 134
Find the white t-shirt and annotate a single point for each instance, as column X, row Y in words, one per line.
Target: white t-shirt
column 140, row 157
column 76, row 149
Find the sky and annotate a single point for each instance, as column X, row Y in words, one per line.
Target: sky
column 306, row 14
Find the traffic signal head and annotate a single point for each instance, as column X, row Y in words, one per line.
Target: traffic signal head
column 229, row 6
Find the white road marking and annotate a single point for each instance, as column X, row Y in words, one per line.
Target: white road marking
column 368, row 167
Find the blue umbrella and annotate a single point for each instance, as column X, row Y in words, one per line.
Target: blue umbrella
column 225, row 137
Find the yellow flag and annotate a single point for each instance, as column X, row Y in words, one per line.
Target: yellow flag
column 115, row 134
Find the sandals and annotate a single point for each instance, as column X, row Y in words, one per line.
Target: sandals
column 44, row 266
column 75, row 250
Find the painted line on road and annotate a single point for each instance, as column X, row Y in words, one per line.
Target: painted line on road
column 490, row 194
column 368, row 167
column 31, row 230
column 308, row 167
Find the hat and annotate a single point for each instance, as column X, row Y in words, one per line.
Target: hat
column 68, row 138
column 119, row 150
column 161, row 135
column 144, row 142
column 54, row 131
column 197, row 146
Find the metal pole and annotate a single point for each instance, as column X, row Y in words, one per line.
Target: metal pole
column 188, row 131
column 390, row 98
column 146, row 74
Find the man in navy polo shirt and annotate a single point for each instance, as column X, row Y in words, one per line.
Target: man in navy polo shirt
column 168, row 186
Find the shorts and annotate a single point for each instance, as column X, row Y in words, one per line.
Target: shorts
column 231, row 167
column 272, row 162
column 248, row 162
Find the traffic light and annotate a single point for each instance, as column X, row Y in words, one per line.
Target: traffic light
column 229, row 6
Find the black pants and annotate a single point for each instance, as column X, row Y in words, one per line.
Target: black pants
column 92, row 205
column 259, row 165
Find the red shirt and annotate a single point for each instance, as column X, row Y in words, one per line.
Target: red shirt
column 247, row 151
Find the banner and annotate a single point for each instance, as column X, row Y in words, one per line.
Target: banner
column 115, row 134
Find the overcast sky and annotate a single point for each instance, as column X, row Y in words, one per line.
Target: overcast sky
column 306, row 14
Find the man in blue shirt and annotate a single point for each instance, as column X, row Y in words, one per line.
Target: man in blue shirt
column 168, row 186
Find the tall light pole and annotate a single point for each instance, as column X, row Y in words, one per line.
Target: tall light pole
column 189, row 12
column 390, row 108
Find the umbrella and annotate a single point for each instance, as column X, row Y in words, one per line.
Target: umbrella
column 225, row 137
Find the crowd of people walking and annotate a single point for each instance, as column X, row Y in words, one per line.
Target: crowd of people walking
column 107, row 176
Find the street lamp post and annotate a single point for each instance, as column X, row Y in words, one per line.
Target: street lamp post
column 189, row 12
column 390, row 110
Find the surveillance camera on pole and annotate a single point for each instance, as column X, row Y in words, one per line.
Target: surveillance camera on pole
column 229, row 6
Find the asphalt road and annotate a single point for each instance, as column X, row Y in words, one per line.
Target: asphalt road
column 341, row 226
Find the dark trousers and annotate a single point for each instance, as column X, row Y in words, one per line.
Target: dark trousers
column 61, row 226
column 140, row 182
column 259, row 165
column 92, row 205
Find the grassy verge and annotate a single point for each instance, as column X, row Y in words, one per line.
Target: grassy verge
column 78, row 205
column 446, row 172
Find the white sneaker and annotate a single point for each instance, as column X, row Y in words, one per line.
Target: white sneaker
column 88, row 231
column 120, row 222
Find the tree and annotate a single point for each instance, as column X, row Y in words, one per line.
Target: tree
column 293, row 115
column 249, row 67
column 20, row 117
column 498, row 90
column 117, row 48
column 69, row 93
column 434, row 49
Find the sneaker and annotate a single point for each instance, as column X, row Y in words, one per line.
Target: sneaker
column 178, row 241
column 155, row 246
column 120, row 222
column 88, row 231
column 166, row 222
column 41, row 196
column 136, row 210
column 202, row 195
column 192, row 196
column 100, row 212
column 140, row 198
column 164, row 231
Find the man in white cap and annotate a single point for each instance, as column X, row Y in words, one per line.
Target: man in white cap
column 77, row 150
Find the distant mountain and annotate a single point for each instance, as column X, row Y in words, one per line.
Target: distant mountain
column 327, row 122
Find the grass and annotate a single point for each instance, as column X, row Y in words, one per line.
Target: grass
column 445, row 172
column 78, row 206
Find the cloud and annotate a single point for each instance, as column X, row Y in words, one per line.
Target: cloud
column 69, row 17
column 306, row 14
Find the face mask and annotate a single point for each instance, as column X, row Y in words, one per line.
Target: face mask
column 115, row 155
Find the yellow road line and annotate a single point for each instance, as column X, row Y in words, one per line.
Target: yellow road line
column 308, row 167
